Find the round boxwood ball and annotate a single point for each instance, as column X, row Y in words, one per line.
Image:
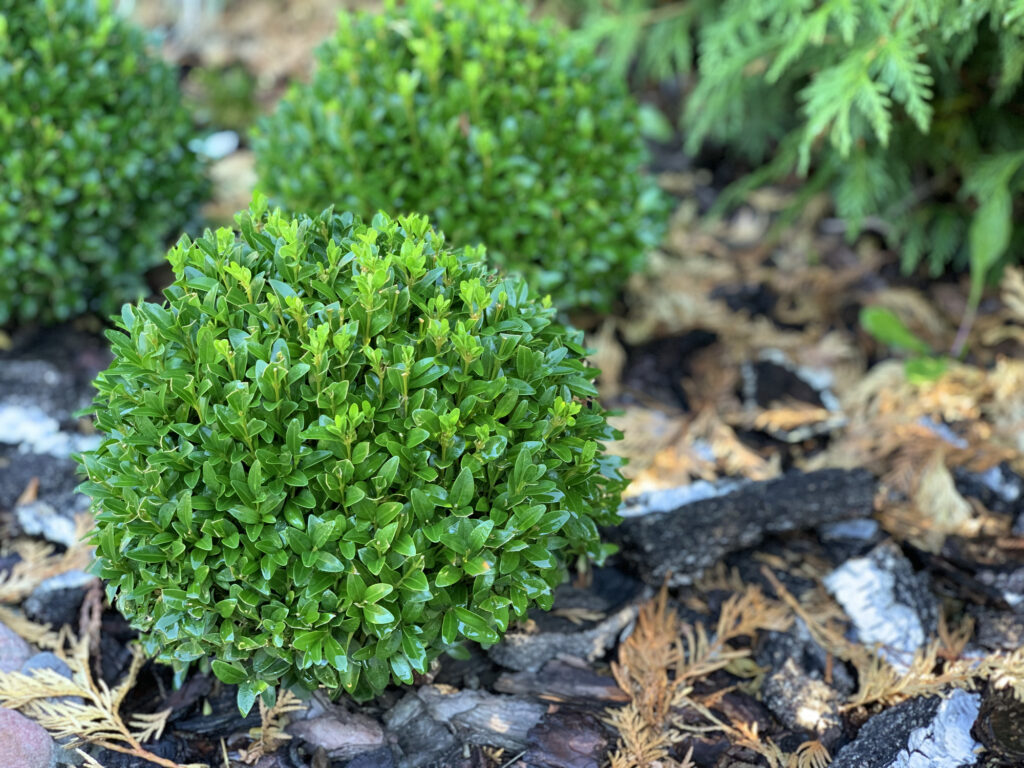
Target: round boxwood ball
column 338, row 450
column 493, row 124
column 95, row 174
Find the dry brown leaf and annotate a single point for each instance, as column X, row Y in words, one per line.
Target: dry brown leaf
column 30, row 494
column 608, row 356
column 786, row 418
column 730, row 453
column 937, row 500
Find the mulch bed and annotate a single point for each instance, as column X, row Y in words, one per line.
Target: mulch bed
column 820, row 560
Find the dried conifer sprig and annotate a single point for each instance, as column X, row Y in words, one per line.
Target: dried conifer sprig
column 81, row 708
column 338, row 451
column 935, row 668
column 664, row 656
column 269, row 737
column 38, row 563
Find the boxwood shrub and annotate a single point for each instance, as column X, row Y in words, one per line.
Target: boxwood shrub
column 338, row 450
column 491, row 123
column 94, row 169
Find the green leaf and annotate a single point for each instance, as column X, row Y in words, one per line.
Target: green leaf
column 376, row 614
column 386, row 474
column 415, row 581
column 232, row 674
column 329, row 563
column 461, row 493
column 494, row 447
column 449, row 627
column 376, row 592
column 245, row 515
column 401, row 669
column 247, row 693
column 989, row 235
column 475, row 627
column 334, row 654
column 886, row 326
column 304, row 641
column 416, row 436
column 447, row 576
column 923, row 370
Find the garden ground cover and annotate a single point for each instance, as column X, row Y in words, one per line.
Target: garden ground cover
column 738, row 358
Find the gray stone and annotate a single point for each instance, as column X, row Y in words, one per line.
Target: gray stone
column 56, row 477
column 421, row 739
column 433, row 723
column 1000, row 725
column 381, row 757
column 40, row 519
column 667, row 499
column 24, row 743
column 803, row 704
column 217, row 145
column 34, row 431
column 523, row 651
column 997, row 630
column 40, row 384
column 14, row 651
column 861, row 529
column 1009, row 583
column 48, row 660
column 479, row 717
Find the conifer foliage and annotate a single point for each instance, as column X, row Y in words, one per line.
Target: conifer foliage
column 909, row 111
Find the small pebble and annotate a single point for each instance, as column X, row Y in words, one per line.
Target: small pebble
column 24, row 743
column 13, row 650
column 216, row 145
column 40, row 519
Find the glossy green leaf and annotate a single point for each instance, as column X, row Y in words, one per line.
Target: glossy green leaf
column 232, row 674
column 376, row 614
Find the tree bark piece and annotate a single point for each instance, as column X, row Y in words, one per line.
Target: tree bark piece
column 683, row 543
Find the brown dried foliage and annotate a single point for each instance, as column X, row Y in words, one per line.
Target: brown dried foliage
column 82, row 708
column 269, row 737
column 39, row 563
column 661, row 660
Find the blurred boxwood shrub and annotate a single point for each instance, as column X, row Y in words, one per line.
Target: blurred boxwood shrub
column 95, row 172
column 339, row 450
column 489, row 122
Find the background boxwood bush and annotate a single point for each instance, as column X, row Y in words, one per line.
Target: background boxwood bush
column 489, row 122
column 338, row 450
column 94, row 171
column 910, row 113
